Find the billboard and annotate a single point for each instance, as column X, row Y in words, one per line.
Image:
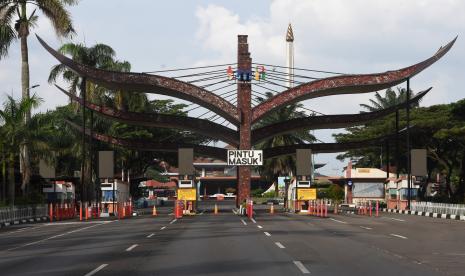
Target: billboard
column 303, row 162
column 187, row 194
column 306, row 194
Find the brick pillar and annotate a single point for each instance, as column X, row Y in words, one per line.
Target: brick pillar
column 244, row 91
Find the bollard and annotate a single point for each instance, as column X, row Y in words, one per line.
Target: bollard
column 377, row 208
column 87, row 211
column 272, row 208
column 216, row 209
column 309, row 208
column 124, row 210
column 370, row 209
column 80, row 211
column 154, row 211
column 326, row 209
column 50, row 214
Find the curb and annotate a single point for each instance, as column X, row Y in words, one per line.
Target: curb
column 16, row 222
column 424, row 214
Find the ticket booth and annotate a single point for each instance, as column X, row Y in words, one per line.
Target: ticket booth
column 301, row 195
column 186, row 193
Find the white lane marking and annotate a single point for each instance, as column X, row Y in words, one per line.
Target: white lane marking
column 163, row 228
column 367, row 228
column 301, row 266
column 243, row 221
column 151, row 235
column 268, row 234
column 22, row 230
column 254, row 221
column 75, row 222
column 131, row 247
column 398, row 236
column 53, row 237
column 96, row 270
column 173, row 221
column 395, row 219
column 278, row 244
column 340, row 221
column 259, row 226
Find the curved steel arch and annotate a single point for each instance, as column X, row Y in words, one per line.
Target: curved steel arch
column 214, row 152
column 201, row 126
column 321, row 147
column 326, row 122
column 145, row 83
column 346, row 84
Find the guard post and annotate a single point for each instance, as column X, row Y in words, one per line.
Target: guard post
column 186, row 190
column 303, row 191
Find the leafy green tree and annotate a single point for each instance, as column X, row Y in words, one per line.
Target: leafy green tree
column 283, row 165
column 14, row 130
column 16, row 23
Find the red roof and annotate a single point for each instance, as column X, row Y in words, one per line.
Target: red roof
column 157, row 184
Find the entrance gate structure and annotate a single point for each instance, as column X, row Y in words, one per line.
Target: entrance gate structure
column 242, row 115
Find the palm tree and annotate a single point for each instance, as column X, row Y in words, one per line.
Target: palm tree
column 283, row 165
column 3, row 164
column 15, row 132
column 390, row 98
column 15, row 23
column 98, row 56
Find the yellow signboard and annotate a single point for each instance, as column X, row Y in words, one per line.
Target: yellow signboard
column 306, row 194
column 187, row 194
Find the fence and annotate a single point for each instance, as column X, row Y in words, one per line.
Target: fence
column 17, row 213
column 439, row 208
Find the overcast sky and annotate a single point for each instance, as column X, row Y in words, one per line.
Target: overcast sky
column 338, row 35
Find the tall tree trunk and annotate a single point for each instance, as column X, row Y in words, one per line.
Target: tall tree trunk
column 3, row 175
column 25, row 161
column 460, row 192
column 11, row 179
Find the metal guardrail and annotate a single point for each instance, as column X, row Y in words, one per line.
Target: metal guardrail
column 17, row 213
column 439, row 208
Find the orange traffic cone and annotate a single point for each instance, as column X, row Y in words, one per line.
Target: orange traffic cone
column 154, row 212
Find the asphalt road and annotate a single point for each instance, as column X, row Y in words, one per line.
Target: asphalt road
column 226, row 244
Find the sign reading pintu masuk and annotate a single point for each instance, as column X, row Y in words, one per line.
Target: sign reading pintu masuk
column 245, row 158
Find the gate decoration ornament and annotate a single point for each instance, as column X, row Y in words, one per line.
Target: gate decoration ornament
column 243, row 116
